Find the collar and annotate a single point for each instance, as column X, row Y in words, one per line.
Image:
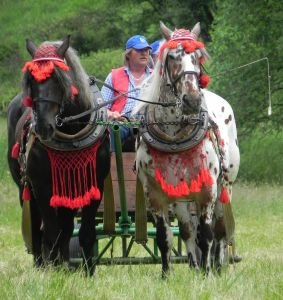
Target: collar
column 148, row 70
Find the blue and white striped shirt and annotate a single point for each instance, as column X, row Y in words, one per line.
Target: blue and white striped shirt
column 133, row 91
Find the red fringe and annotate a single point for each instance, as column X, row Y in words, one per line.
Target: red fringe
column 188, row 45
column 74, row 203
column 74, row 182
column 15, row 151
column 27, row 101
column 193, row 161
column 74, row 91
column 224, row 196
column 26, row 194
column 41, row 70
column 183, row 189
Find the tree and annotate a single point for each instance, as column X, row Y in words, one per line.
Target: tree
column 243, row 33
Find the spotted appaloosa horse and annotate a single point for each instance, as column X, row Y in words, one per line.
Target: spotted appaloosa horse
column 188, row 155
column 58, row 166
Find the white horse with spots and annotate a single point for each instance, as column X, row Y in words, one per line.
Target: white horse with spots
column 188, row 156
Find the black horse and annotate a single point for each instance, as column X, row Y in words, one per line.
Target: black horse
column 58, row 162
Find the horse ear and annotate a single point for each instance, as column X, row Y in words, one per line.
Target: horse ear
column 65, row 45
column 196, row 30
column 30, row 47
column 165, row 31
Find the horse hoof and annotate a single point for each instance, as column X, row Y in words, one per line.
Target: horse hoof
column 38, row 262
column 235, row 259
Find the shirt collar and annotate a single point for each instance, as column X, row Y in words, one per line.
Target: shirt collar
column 148, row 70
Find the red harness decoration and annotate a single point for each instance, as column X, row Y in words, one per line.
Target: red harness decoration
column 74, row 182
column 189, row 166
column 41, row 70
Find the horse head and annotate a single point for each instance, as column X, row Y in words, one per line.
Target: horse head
column 47, row 85
column 182, row 56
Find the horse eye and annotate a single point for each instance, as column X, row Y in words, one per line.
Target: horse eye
column 171, row 56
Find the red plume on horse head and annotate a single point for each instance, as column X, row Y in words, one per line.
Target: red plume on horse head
column 45, row 58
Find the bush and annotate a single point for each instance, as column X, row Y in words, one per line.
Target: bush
column 261, row 157
column 100, row 63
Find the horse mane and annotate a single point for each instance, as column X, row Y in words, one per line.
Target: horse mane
column 80, row 77
column 150, row 88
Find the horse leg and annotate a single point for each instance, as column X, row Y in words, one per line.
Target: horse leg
column 164, row 239
column 204, row 232
column 186, row 214
column 66, row 222
column 220, row 243
column 87, row 236
column 36, row 223
column 205, row 240
column 51, row 236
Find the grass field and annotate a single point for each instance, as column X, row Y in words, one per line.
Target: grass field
column 259, row 230
column 259, row 220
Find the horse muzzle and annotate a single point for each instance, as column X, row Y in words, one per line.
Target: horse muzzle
column 45, row 132
column 191, row 102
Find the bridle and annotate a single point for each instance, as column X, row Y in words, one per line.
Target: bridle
column 172, row 83
column 60, row 103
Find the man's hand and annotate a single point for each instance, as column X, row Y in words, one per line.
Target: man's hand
column 114, row 115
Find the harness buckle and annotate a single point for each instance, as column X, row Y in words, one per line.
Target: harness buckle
column 58, row 121
column 178, row 106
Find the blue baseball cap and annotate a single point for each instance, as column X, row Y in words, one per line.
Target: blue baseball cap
column 155, row 47
column 137, row 42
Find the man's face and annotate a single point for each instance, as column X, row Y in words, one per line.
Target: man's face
column 139, row 57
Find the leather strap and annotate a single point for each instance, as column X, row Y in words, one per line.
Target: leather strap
column 140, row 214
column 109, row 216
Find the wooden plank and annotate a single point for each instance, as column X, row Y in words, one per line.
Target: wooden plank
column 130, row 181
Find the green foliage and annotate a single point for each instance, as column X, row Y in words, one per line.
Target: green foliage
column 94, row 26
column 237, row 41
column 261, row 154
column 100, row 63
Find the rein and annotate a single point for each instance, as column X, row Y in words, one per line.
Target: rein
column 105, row 103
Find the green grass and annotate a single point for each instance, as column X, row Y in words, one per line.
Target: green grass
column 259, row 228
column 259, row 223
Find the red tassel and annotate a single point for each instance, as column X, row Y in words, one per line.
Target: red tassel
column 206, row 178
column 15, row 151
column 54, row 201
column 27, row 101
column 74, row 91
column 224, row 196
column 95, row 193
column 204, row 80
column 195, row 187
column 87, row 197
column 26, row 194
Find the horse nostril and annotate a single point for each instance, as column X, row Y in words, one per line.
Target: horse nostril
column 186, row 99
